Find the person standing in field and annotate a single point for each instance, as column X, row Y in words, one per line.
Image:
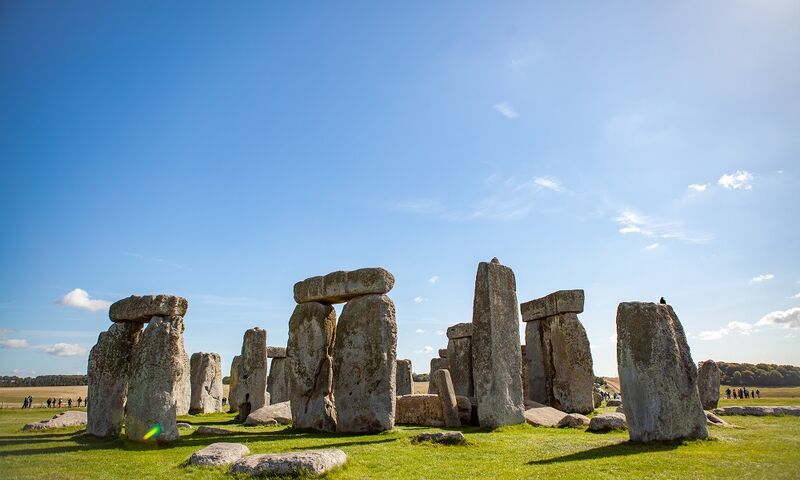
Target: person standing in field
column 79, row 401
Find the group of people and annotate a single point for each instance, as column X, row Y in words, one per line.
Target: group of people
column 27, row 402
column 742, row 393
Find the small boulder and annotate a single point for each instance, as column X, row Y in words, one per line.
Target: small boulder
column 279, row 413
column 613, row 402
column 543, row 416
column 184, row 425
column 607, row 421
column 203, row 430
column 758, row 411
column 220, row 453
column 574, row 420
column 62, row 420
column 445, row 438
column 314, row 462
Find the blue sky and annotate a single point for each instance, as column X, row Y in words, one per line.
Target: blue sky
column 224, row 152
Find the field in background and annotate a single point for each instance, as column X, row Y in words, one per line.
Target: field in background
column 11, row 397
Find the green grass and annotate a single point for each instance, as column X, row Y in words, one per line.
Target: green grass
column 766, row 447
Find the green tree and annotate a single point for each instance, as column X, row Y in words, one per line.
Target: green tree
column 737, row 378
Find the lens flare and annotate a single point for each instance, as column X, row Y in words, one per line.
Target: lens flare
column 154, row 430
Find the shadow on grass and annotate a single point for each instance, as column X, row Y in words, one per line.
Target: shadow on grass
column 346, row 444
column 607, row 451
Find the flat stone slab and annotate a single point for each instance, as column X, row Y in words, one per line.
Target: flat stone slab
column 142, row 308
column 574, row 420
column 276, row 352
column 62, row 420
column 758, row 411
column 339, row 287
column 315, row 462
column 445, row 438
column 556, row 303
column 459, row 330
column 543, row 416
column 279, row 413
column 712, row 419
column 203, row 430
column 184, row 425
column 220, row 453
column 607, row 421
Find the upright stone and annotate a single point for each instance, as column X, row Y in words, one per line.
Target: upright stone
column 448, row 398
column 277, row 381
column 570, row 362
column 364, row 365
column 339, row 287
column 206, row 382
column 524, row 373
column 233, row 397
column 657, row 375
column 109, row 371
column 537, row 356
column 436, row 364
column 708, row 380
column 496, row 360
column 159, row 366
column 309, row 364
column 251, row 388
column 459, row 353
column 404, row 383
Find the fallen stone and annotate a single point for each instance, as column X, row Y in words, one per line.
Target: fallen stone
column 278, row 413
column 712, row 419
column 233, row 389
column 543, row 416
column 606, row 422
column 708, row 380
column 251, row 386
column 404, row 380
column 204, row 430
column 314, row 462
column 657, row 375
column 613, row 402
column 459, row 330
column 219, row 453
column 339, row 287
column 556, row 303
column 447, row 397
column 276, row 352
column 459, row 362
column 309, row 366
column 759, row 411
column 574, row 420
column 436, row 364
column 62, row 420
column 206, row 383
column 142, row 309
column 444, row 438
column 426, row 409
column 278, row 381
column 184, row 425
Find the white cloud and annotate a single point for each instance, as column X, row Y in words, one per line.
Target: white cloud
column 419, row 330
column 738, row 328
column 786, row 318
column 440, row 332
column 762, row 278
column 742, row 328
column 79, row 298
column 421, row 299
column 632, row 222
column 739, row 180
column 797, row 295
column 696, row 187
column 63, row 349
column 434, row 279
column 713, row 334
column 425, row 349
column 14, row 343
column 651, row 247
column 506, row 110
column 629, row 229
column 549, row 183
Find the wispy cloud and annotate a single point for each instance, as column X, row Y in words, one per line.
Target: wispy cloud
column 738, row 328
column 434, row 279
column 797, row 295
column 739, row 180
column 506, row 109
column 79, row 298
column 786, row 319
column 419, row 330
column 548, row 183
column 425, row 349
column 697, row 187
column 63, row 349
column 631, row 222
column 421, row 299
column 651, row 247
column 762, row 278
column 14, row 343
column 440, row 333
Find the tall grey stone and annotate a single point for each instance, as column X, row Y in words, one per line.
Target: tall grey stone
column 109, row 372
column 708, row 380
column 436, row 364
column 159, row 369
column 404, row 383
column 277, row 381
column 206, row 382
column 524, row 373
column 537, row 357
column 496, row 360
column 364, row 365
column 657, row 375
column 447, row 396
column 571, row 377
column 459, row 354
column 339, row 287
column 233, row 388
column 309, row 364
column 251, row 388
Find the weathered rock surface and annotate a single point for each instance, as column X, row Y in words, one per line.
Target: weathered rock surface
column 442, row 353
column 280, row 413
column 404, row 383
column 613, row 402
column 459, row 330
column 708, row 379
column 574, row 420
column 142, row 309
column 314, row 462
column 159, row 380
column 309, row 365
column 459, row 353
column 496, row 360
column 206, row 383
column 278, row 381
column 436, row 364
column 422, row 409
column 597, row 399
column 339, row 287
column 606, row 422
column 568, row 364
column 537, row 357
column 759, row 411
column 542, row 416
column 220, row 453
column 447, row 397
column 184, row 425
column 556, row 303
column 364, row 365
column 204, row 430
column 445, row 438
column 62, row 420
column 657, row 375
column 109, row 371
column 276, row 352
column 712, row 419
column 233, row 396
column 251, row 385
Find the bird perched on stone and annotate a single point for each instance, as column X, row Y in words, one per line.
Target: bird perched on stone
column 662, row 301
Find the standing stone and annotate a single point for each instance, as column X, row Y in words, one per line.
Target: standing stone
column 364, row 364
column 251, row 388
column 657, row 375
column 459, row 353
column 524, row 373
column 233, row 398
column 404, row 383
column 309, row 364
column 496, row 360
column 448, row 398
column 206, row 382
column 158, row 367
column 570, row 364
column 183, row 390
column 277, row 381
column 339, row 287
column 708, row 379
column 436, row 364
column 109, row 371
column 537, row 356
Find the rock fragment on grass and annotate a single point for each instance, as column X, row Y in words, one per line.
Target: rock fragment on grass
column 758, row 411
column 62, row 420
column 314, row 462
column 444, row 438
column 279, row 413
column 607, row 421
column 203, row 430
column 221, row 453
column 574, row 420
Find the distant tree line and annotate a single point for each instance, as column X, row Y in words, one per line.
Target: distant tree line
column 759, row 375
column 44, row 381
column 421, row 377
